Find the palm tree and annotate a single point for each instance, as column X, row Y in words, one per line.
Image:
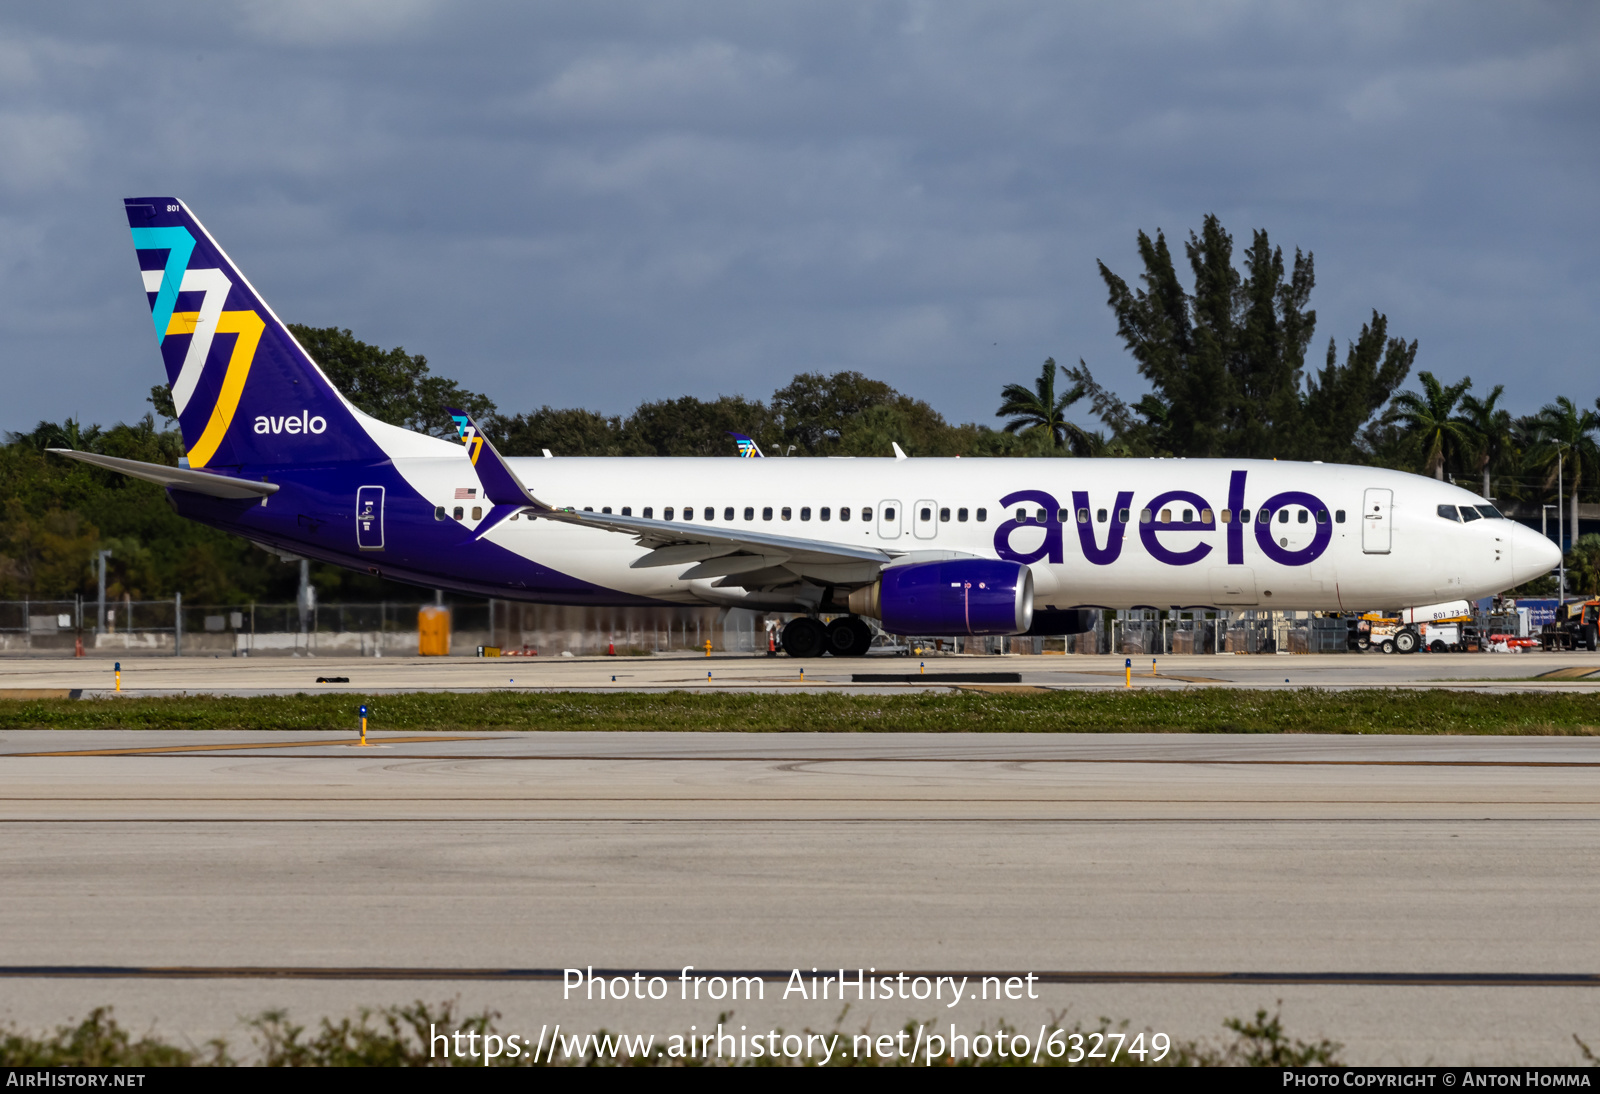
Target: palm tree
column 1041, row 409
column 1492, row 425
column 1428, row 418
column 1567, row 448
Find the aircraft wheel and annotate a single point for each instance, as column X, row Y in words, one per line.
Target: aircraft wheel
column 804, row 637
column 849, row 637
column 1388, row 646
column 1407, row 642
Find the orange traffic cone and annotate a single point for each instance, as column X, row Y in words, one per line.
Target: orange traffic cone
column 77, row 648
column 611, row 649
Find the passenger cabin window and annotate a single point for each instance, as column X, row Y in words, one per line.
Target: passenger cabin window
column 1448, row 512
column 825, row 513
column 648, row 512
column 1302, row 516
column 944, row 516
column 666, row 514
column 1123, row 515
column 457, row 512
column 1188, row 516
column 844, row 512
column 586, row 509
column 1205, row 516
column 1468, row 513
column 606, row 509
column 1244, row 516
column 786, row 513
column 477, row 512
column 1338, row 516
column 805, row 512
column 1227, row 516
column 1322, row 516
column 749, row 512
column 961, row 516
column 627, row 510
column 727, row 514
column 1166, row 516
column 1264, row 516
column 766, row 513
column 1041, row 517
column 711, row 514
column 888, row 514
column 1146, row 516
column 438, row 512
column 866, row 513
column 983, row 515
column 1083, row 516
column 926, row 514
column 1022, row 516
column 1100, row 516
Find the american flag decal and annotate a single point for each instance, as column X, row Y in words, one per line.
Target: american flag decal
column 466, row 492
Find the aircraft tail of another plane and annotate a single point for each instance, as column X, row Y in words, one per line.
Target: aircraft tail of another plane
column 246, row 393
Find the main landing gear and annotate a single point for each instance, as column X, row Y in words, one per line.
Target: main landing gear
column 807, row 637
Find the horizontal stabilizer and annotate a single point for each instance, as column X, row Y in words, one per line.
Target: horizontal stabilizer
column 196, row 482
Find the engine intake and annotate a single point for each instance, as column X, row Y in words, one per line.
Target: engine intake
column 953, row 596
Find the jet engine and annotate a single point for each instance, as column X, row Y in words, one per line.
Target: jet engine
column 953, row 596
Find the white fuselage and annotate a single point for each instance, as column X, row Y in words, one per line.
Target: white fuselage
column 1383, row 543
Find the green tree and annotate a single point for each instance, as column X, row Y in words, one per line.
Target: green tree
column 1042, row 410
column 391, row 385
column 1566, row 450
column 688, row 426
column 563, row 432
column 1491, row 430
column 812, row 410
column 1227, row 359
column 1429, row 419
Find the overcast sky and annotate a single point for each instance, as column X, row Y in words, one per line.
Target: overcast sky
column 595, row 204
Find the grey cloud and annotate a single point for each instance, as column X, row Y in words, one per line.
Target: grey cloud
column 591, row 204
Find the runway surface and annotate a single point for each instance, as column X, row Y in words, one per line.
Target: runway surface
column 32, row 677
column 1420, row 899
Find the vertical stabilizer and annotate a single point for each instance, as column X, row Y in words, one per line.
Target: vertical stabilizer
column 246, row 394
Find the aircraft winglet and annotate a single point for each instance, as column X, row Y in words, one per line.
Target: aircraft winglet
column 747, row 447
column 500, row 484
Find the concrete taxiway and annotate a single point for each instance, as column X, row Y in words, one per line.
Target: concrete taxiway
column 1419, row 899
column 93, row 677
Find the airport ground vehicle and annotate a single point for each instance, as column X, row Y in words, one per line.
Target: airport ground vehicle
column 1437, row 628
column 1577, row 627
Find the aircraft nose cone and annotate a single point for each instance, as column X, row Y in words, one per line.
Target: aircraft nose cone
column 1532, row 555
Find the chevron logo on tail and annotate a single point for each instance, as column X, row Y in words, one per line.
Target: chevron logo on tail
column 469, row 436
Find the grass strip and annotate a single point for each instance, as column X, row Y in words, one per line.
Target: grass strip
column 1207, row 710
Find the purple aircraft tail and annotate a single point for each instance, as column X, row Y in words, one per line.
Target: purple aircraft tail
column 247, row 395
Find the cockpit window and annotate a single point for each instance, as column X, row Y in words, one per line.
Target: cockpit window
column 1448, row 512
column 1491, row 512
column 1468, row 513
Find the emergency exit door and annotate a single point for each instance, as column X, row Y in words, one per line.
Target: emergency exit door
column 1377, row 518
column 369, row 518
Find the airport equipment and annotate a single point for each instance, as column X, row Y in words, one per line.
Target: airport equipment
column 1577, row 626
column 363, row 710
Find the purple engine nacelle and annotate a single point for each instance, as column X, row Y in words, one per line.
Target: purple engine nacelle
column 956, row 596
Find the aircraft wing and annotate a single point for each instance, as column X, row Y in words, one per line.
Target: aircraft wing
column 733, row 555
column 198, row 482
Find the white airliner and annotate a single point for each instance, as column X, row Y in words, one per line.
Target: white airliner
column 923, row 546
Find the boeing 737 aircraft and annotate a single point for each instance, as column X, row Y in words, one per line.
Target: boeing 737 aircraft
column 924, row 546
